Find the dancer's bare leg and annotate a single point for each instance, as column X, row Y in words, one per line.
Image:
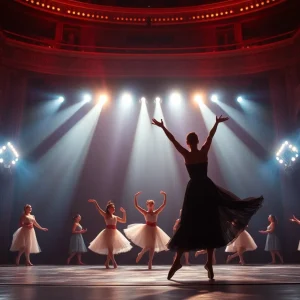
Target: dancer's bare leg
column 208, row 266
column 187, row 256
column 79, row 259
column 22, row 250
column 151, row 254
column 273, row 257
column 112, row 257
column 279, row 255
column 27, row 255
column 140, row 255
column 176, row 264
column 241, row 255
column 70, row 257
column 107, row 262
column 200, row 252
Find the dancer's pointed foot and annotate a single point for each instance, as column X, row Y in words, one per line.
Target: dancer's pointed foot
column 228, row 259
column 140, row 255
column 242, row 263
column 210, row 271
column 115, row 265
column 29, row 264
column 150, row 266
column 68, row 260
column 175, row 267
column 17, row 261
column 106, row 264
column 81, row 263
column 187, row 263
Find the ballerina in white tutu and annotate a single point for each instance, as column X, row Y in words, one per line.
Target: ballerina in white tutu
column 148, row 236
column 24, row 239
column 110, row 241
column 243, row 243
column 297, row 221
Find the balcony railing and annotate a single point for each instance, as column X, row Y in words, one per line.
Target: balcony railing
column 51, row 44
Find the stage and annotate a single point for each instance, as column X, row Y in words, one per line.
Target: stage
column 136, row 282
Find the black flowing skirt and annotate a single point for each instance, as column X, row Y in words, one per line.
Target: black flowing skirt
column 211, row 216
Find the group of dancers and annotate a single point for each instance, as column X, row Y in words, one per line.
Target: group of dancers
column 211, row 218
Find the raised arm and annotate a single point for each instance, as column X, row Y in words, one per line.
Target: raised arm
column 101, row 211
column 78, row 231
column 37, row 225
column 123, row 219
column 212, row 132
column 161, row 208
column 141, row 210
column 294, row 219
column 171, row 137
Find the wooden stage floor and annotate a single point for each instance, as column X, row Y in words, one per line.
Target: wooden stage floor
column 136, row 282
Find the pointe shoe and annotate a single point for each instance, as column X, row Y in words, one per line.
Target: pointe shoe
column 149, row 266
column 29, row 264
column 106, row 265
column 115, row 265
column 210, row 271
column 174, row 269
column 138, row 258
column 242, row 263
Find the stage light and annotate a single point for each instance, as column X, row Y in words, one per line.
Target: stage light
column 103, row 99
column 126, row 98
column 287, row 154
column 87, row 98
column 143, row 100
column 214, row 98
column 175, row 98
column 198, row 99
column 8, row 155
column 239, row 99
column 157, row 100
column 61, row 99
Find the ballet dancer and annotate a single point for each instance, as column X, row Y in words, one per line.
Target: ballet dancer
column 272, row 241
column 24, row 239
column 77, row 245
column 297, row 221
column 110, row 241
column 207, row 209
column 175, row 227
column 148, row 236
column 243, row 243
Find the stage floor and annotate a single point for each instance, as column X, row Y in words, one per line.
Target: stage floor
column 136, row 282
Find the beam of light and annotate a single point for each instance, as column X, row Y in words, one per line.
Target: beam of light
column 102, row 99
column 143, row 100
column 254, row 127
column 63, row 164
column 157, row 100
column 60, row 99
column 239, row 99
column 87, row 98
column 126, row 99
column 44, row 125
column 233, row 156
column 175, row 98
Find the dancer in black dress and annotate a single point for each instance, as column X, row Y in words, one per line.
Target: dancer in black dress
column 208, row 210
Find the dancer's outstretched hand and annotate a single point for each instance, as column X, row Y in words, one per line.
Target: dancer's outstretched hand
column 137, row 194
column 159, row 124
column 83, row 230
column 221, row 119
column 92, row 201
column 163, row 193
column 45, row 229
column 262, row 231
column 122, row 209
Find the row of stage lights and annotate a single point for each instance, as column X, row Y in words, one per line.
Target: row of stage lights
column 127, row 98
column 287, row 154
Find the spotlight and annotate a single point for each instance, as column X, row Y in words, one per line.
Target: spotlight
column 287, row 154
column 239, row 99
column 157, row 100
column 143, row 100
column 61, row 99
column 102, row 99
column 8, row 155
column 198, row 99
column 214, row 98
column 126, row 98
column 175, row 98
column 87, row 98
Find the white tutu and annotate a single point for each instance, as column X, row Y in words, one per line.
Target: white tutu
column 25, row 239
column 244, row 241
column 110, row 239
column 299, row 246
column 146, row 236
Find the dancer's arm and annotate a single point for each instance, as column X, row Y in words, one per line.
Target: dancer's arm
column 161, row 208
column 78, row 231
column 212, row 132
column 101, row 211
column 171, row 137
column 294, row 219
column 272, row 228
column 123, row 219
column 141, row 210
column 176, row 225
column 37, row 225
